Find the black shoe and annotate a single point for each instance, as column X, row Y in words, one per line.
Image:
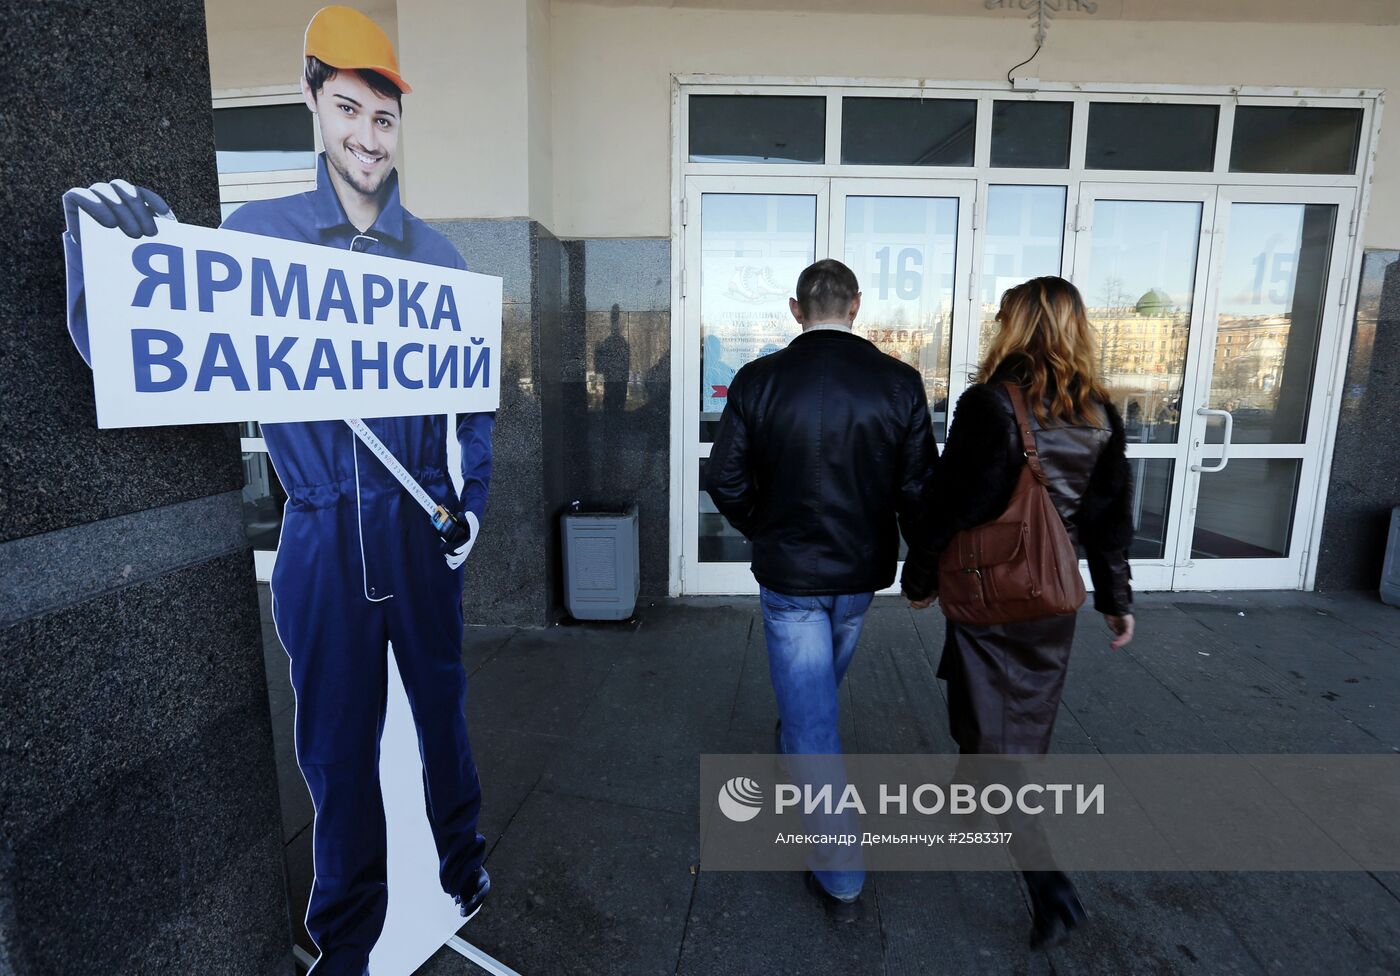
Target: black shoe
column 469, row 903
column 837, row 909
column 1055, row 907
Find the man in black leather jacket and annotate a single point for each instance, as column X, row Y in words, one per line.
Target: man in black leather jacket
column 821, row 457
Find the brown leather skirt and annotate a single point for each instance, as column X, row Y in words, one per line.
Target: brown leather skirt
column 1004, row 683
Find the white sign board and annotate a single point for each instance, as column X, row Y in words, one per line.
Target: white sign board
column 195, row 326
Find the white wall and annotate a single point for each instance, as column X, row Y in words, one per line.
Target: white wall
column 560, row 110
column 467, row 122
column 612, row 68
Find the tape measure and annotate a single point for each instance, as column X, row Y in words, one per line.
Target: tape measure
column 453, row 531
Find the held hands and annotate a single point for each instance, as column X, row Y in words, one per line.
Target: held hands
column 457, row 542
column 924, row 604
column 1121, row 628
column 134, row 209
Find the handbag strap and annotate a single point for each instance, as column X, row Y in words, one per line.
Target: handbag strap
column 1023, row 424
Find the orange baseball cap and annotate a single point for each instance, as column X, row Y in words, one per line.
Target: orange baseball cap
column 347, row 39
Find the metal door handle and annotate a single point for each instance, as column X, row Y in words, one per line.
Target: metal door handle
column 1225, row 443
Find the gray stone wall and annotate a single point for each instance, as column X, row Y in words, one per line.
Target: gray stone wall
column 1365, row 480
column 138, row 798
column 585, row 406
column 616, row 385
column 510, row 578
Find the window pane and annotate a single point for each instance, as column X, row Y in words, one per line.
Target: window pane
column 719, row 541
column 1139, row 289
column 1151, row 498
column 257, row 138
column 1024, row 237
column 1246, row 511
column 1135, row 135
column 1031, row 134
column 752, row 248
column 1152, row 493
column 1272, row 287
column 908, row 131
column 902, row 250
column 1279, row 139
column 757, row 129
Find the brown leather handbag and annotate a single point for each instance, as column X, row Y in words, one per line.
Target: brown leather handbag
column 1019, row 566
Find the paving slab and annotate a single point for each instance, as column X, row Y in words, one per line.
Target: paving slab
column 896, row 696
column 765, row 922
column 973, row 922
column 1159, row 923
column 1311, row 922
column 539, row 682
column 583, row 886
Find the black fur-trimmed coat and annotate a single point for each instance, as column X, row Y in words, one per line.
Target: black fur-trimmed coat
column 1090, row 484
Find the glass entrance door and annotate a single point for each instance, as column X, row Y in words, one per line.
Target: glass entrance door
column 745, row 242
column 1141, row 259
column 1213, row 307
column 1257, row 431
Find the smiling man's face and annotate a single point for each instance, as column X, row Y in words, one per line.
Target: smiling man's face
column 359, row 128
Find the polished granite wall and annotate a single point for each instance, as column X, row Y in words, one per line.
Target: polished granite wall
column 138, row 794
column 585, row 406
column 616, row 387
column 510, row 575
column 1365, row 480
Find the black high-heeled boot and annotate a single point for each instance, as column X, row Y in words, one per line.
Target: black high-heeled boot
column 1055, row 906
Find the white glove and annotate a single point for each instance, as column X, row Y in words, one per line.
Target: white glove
column 459, row 555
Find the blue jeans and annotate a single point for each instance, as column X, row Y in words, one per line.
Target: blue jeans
column 811, row 640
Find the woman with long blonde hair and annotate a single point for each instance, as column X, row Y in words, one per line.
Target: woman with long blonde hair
column 1004, row 680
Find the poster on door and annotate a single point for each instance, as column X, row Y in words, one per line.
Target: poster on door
column 753, row 248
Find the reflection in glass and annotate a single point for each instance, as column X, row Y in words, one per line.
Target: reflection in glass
column 258, row 138
column 757, row 128
column 908, row 131
column 1141, row 135
column 1289, row 139
column 1031, row 134
column 1246, row 511
column 903, row 252
column 1272, row 287
column 263, row 499
column 1152, row 492
column 719, row 541
column 752, row 248
column 1138, row 287
column 1024, row 239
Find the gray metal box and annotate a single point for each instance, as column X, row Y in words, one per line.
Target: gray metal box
column 1390, row 570
column 601, row 573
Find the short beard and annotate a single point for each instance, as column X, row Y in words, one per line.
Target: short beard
column 351, row 178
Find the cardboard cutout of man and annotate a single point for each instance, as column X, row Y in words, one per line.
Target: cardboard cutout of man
column 359, row 565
